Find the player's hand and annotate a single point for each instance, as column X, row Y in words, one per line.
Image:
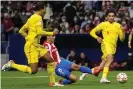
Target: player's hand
column 122, row 28
column 99, row 39
column 55, row 63
column 129, row 45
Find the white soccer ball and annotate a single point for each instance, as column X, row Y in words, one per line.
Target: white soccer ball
column 122, row 77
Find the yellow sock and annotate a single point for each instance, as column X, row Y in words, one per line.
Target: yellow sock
column 51, row 72
column 22, row 68
column 105, row 72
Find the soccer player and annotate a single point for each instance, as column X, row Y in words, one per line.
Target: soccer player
column 111, row 30
column 130, row 39
column 63, row 66
column 32, row 31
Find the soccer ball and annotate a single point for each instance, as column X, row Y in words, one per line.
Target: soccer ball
column 122, row 77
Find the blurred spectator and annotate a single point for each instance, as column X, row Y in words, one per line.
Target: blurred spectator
column 80, row 7
column 121, row 12
column 107, row 4
column 76, row 29
column 19, row 6
column 76, row 12
column 57, row 6
column 130, row 54
column 64, row 26
column 76, row 20
column 51, row 20
column 81, row 17
column 42, row 65
column 96, row 20
column 23, row 17
column 17, row 20
column 130, row 40
column 72, row 56
column 131, row 23
column 129, row 61
column 57, row 25
column 131, row 10
column 83, row 60
column 49, row 12
column 70, row 12
column 85, row 21
column 29, row 6
column 86, row 29
column 8, row 26
column 125, row 25
column 97, row 5
column 2, row 33
column 88, row 5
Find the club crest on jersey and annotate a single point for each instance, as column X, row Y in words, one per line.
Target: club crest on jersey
column 40, row 22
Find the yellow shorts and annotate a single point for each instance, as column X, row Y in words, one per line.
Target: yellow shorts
column 107, row 49
column 34, row 53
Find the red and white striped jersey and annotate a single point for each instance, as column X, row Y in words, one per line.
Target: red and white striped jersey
column 53, row 51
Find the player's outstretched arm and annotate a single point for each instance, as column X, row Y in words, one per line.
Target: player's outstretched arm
column 130, row 39
column 96, row 29
column 121, row 34
column 40, row 30
column 23, row 30
column 45, row 33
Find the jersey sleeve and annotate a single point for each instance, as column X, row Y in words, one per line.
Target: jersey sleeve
column 47, row 46
column 121, row 33
column 39, row 29
column 97, row 28
column 23, row 30
column 56, row 55
column 52, row 52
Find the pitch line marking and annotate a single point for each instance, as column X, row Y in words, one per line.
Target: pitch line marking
column 38, row 77
column 27, row 77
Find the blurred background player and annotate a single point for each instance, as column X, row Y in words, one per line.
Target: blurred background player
column 63, row 66
column 130, row 39
column 111, row 30
column 130, row 54
column 32, row 31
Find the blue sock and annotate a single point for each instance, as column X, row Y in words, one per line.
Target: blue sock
column 66, row 81
column 84, row 69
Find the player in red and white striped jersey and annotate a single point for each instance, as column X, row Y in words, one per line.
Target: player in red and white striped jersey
column 63, row 66
column 52, row 49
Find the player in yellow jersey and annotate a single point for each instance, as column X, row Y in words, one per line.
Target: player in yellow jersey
column 32, row 31
column 111, row 30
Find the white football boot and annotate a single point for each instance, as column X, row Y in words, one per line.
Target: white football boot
column 57, row 84
column 82, row 76
column 7, row 65
column 104, row 80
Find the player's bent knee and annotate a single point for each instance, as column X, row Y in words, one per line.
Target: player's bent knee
column 74, row 80
column 34, row 71
column 110, row 56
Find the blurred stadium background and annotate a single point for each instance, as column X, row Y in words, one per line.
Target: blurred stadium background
column 72, row 20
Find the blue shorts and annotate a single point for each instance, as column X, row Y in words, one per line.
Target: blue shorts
column 64, row 68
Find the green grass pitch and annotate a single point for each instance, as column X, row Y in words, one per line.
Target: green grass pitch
column 18, row 80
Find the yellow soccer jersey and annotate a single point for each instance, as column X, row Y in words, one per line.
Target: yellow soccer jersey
column 110, row 32
column 34, row 25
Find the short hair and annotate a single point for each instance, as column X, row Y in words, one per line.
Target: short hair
column 111, row 11
column 38, row 6
column 74, row 50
